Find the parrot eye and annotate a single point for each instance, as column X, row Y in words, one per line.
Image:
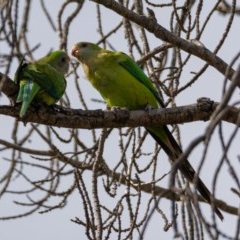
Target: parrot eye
column 64, row 59
column 84, row 45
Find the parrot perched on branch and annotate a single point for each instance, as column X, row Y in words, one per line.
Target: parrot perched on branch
column 122, row 83
column 42, row 81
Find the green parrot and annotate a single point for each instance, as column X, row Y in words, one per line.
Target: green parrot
column 42, row 81
column 122, row 83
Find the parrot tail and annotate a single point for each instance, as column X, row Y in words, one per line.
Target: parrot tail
column 28, row 90
column 164, row 138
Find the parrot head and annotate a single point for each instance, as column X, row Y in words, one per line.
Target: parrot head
column 57, row 59
column 83, row 50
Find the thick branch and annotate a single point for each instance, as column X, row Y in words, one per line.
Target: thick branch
column 8, row 87
column 90, row 119
column 165, row 35
column 77, row 118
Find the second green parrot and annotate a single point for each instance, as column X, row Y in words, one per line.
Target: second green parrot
column 122, row 83
column 42, row 81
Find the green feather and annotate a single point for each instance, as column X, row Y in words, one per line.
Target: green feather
column 42, row 81
column 122, row 83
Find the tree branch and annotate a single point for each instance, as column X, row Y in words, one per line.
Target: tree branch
column 90, row 119
column 160, row 32
column 8, row 87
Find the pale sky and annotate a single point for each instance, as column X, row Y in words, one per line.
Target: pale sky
column 57, row 224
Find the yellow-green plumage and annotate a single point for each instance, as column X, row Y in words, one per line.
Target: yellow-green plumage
column 114, row 96
column 122, row 83
column 42, row 81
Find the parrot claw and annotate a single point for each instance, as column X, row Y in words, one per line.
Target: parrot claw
column 116, row 108
column 57, row 108
column 149, row 107
column 121, row 113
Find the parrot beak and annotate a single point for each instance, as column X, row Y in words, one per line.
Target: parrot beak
column 75, row 51
column 68, row 58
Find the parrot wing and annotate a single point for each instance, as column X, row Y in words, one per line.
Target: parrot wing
column 48, row 78
column 126, row 62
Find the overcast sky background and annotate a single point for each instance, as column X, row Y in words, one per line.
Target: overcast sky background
column 57, row 224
